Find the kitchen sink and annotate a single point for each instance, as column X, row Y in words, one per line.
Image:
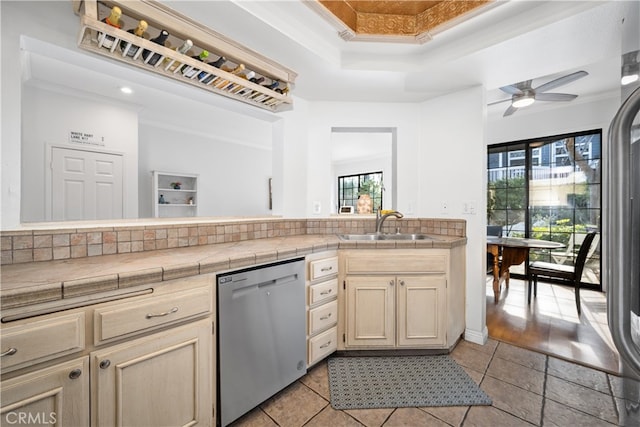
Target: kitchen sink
column 374, row 236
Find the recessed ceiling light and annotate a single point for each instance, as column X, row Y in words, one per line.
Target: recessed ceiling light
column 126, row 89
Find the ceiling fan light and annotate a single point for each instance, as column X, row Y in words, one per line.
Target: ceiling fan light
column 626, row 80
column 523, row 101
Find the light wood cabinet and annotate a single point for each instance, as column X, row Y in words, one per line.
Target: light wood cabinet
column 322, row 305
column 401, row 298
column 56, row 395
column 395, row 311
column 161, row 379
column 147, row 359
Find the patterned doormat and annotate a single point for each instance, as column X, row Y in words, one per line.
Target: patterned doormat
column 401, row 381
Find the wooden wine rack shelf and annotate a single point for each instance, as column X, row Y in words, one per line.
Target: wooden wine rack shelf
column 92, row 38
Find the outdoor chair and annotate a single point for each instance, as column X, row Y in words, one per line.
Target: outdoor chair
column 571, row 273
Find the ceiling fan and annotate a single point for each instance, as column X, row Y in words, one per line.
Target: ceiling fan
column 523, row 95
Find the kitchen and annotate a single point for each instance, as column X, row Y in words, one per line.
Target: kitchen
column 302, row 133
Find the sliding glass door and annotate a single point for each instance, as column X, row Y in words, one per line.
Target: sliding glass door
column 549, row 189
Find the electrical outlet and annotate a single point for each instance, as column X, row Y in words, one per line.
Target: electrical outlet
column 444, row 208
column 317, row 207
column 469, row 207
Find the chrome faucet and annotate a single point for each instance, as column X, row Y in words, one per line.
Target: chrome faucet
column 380, row 219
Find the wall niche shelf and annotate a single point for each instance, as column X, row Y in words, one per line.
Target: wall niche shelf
column 172, row 201
column 273, row 92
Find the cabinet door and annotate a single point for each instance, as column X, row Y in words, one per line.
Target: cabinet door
column 58, row 395
column 162, row 379
column 421, row 310
column 370, row 311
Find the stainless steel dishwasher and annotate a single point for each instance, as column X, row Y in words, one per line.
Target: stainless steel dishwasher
column 261, row 334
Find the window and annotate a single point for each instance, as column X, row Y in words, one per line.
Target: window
column 350, row 187
column 549, row 189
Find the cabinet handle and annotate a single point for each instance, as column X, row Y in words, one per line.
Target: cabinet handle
column 326, row 317
column 166, row 313
column 326, row 268
column 105, row 364
column 391, row 282
column 10, row 352
column 75, row 374
column 326, row 345
column 325, row 292
column 401, row 282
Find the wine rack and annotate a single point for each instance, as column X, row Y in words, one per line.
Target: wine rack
column 95, row 35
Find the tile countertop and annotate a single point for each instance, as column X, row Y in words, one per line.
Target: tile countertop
column 41, row 282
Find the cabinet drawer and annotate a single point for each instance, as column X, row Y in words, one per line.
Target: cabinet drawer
column 323, row 291
column 323, row 268
column 122, row 319
column 322, row 345
column 323, row 316
column 367, row 263
column 42, row 340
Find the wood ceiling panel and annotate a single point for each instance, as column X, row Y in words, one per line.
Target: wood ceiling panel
column 413, row 18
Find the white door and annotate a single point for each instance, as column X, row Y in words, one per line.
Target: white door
column 85, row 185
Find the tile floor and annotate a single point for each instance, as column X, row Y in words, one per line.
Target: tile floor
column 530, row 380
column 527, row 388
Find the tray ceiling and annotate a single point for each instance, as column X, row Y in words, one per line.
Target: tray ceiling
column 400, row 21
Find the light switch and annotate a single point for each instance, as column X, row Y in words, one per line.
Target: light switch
column 317, row 207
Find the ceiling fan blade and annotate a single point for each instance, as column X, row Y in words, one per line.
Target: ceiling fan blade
column 555, row 97
column 561, row 81
column 511, row 90
column 499, row 102
column 509, row 111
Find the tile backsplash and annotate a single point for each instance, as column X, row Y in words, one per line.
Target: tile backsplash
column 23, row 246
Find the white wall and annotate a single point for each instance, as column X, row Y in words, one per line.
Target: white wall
column 233, row 178
column 48, row 117
column 35, row 19
column 325, row 115
column 452, row 170
column 290, row 165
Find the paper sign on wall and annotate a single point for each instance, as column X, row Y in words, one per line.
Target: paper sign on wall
column 85, row 138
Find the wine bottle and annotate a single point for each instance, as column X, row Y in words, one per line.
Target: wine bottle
column 138, row 31
column 188, row 70
column 162, row 37
column 240, row 90
column 183, row 49
column 114, row 20
column 222, row 83
column 283, row 88
column 272, row 85
column 208, row 78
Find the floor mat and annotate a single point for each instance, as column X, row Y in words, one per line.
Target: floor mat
column 401, row 381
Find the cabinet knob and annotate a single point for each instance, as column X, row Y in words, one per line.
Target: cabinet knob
column 10, row 352
column 105, row 364
column 401, row 282
column 75, row 374
column 391, row 282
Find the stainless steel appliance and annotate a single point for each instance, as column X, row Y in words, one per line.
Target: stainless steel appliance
column 621, row 221
column 261, row 335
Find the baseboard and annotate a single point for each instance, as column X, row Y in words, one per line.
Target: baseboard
column 476, row 336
